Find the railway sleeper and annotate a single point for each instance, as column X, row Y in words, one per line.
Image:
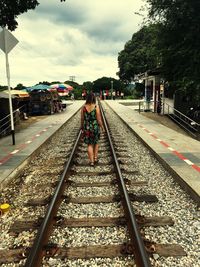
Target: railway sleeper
column 99, row 199
column 110, row 162
column 93, row 251
column 77, row 163
column 102, row 173
column 143, row 221
column 101, row 149
column 102, row 184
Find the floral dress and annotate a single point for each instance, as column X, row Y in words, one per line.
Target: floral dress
column 91, row 131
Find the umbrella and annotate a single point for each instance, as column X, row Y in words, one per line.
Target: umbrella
column 18, row 93
column 6, row 95
column 62, row 88
column 38, row 87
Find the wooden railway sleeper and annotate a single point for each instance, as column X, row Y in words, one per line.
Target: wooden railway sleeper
column 114, row 198
column 142, row 221
column 116, row 250
column 165, row 250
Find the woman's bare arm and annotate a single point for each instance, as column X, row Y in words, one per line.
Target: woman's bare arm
column 82, row 118
column 99, row 120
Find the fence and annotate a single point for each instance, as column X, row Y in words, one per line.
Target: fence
column 191, row 126
column 144, row 106
column 5, row 123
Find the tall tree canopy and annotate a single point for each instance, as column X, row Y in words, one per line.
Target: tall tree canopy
column 11, row 9
column 179, row 40
column 140, row 53
column 105, row 83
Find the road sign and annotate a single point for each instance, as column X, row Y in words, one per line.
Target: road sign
column 7, row 41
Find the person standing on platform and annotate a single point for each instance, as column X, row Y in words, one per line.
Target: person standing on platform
column 113, row 95
column 91, row 123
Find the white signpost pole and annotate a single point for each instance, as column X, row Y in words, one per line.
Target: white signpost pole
column 7, row 42
column 10, row 99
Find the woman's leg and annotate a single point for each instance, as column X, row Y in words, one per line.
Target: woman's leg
column 96, row 149
column 91, row 152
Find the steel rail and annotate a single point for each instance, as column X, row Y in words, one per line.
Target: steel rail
column 36, row 253
column 141, row 256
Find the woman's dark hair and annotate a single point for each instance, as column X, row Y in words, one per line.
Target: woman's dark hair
column 91, row 99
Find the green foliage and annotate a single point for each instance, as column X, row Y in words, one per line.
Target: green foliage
column 78, row 92
column 139, row 90
column 179, row 41
column 134, row 91
column 45, row 82
column 72, row 83
column 105, row 83
column 140, row 53
column 128, row 92
column 77, row 89
column 20, row 86
column 3, row 87
column 129, row 97
column 11, row 9
column 88, row 86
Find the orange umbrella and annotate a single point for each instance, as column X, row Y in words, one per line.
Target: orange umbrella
column 18, row 93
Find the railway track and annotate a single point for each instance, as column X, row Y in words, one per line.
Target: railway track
column 88, row 211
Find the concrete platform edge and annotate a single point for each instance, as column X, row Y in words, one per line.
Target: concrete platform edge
column 174, row 174
column 19, row 170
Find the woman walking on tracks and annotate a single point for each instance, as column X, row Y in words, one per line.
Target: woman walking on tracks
column 90, row 124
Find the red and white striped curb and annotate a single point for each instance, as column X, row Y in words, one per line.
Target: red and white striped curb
column 22, row 146
column 178, row 154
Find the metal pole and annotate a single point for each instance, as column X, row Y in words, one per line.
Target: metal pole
column 111, row 89
column 10, row 100
column 163, row 107
column 163, row 99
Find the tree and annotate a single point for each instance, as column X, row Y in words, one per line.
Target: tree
column 45, row 82
column 88, row 86
column 20, row 86
column 3, row 87
column 140, row 53
column 104, row 83
column 179, row 41
column 139, row 90
column 77, row 89
column 11, row 9
column 72, row 83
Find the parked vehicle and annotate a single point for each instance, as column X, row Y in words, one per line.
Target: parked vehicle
column 44, row 102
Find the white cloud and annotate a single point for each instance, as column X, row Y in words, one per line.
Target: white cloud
column 80, row 38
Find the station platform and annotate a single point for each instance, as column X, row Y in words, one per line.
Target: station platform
column 14, row 157
column 179, row 153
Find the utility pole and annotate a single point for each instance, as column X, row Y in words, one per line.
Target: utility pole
column 72, row 78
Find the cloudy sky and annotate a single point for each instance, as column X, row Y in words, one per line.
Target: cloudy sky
column 80, row 38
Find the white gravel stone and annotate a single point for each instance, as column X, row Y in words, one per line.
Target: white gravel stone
column 173, row 202
column 91, row 210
